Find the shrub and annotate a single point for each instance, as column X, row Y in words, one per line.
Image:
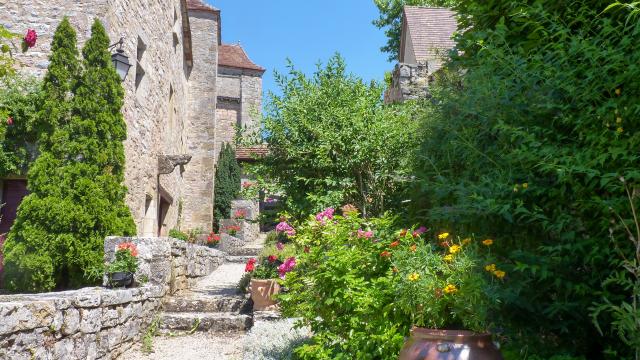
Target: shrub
column 528, row 146
column 227, row 182
column 76, row 193
column 177, row 234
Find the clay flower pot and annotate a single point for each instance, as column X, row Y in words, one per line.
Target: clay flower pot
column 262, row 293
column 430, row 344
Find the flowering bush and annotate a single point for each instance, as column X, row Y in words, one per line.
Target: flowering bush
column 361, row 284
column 232, row 229
column 240, row 214
column 125, row 259
column 284, row 227
column 213, row 239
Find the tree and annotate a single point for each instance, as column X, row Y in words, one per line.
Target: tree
column 76, row 193
column 227, row 182
column 332, row 142
column 391, row 19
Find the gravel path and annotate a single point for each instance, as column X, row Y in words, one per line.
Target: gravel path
column 199, row 346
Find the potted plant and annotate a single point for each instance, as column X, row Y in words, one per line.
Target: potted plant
column 120, row 271
column 447, row 288
column 213, row 239
column 240, row 214
column 232, row 229
column 264, row 279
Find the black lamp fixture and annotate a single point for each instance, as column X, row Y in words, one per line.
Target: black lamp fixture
column 120, row 60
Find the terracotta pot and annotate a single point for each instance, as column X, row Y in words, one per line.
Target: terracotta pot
column 430, row 344
column 262, row 292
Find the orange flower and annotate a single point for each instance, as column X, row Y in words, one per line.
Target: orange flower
column 395, row 244
column 395, row 270
column 487, row 242
column 403, row 233
column 413, row 247
column 450, row 289
column 385, row 254
column 499, row 274
column 129, row 246
column 466, row 241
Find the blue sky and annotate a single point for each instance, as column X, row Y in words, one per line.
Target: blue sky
column 306, row 31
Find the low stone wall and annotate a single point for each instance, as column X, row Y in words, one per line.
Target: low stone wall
column 100, row 323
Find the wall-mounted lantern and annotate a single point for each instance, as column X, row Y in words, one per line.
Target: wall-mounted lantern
column 120, row 60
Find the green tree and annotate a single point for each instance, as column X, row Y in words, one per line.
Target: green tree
column 391, row 19
column 76, row 193
column 227, row 182
column 332, row 142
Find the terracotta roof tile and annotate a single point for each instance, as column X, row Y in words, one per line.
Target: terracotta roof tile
column 199, row 5
column 431, row 31
column 251, row 153
column 235, row 56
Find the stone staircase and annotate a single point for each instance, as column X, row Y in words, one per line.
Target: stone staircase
column 215, row 304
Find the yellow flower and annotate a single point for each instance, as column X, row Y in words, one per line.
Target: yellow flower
column 525, row 185
column 450, row 289
column 466, row 241
column 413, row 277
column 455, row 248
column 487, row 242
column 448, row 258
column 490, row 267
column 499, row 274
column 618, row 91
column 443, row 236
column 618, row 120
column 619, row 130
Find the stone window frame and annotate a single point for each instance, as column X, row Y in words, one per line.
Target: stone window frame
column 141, row 50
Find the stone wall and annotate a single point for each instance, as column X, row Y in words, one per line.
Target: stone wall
column 409, row 82
column 100, row 323
column 199, row 174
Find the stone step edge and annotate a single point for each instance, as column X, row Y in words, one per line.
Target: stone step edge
column 205, row 322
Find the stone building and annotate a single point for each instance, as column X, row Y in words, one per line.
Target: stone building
column 184, row 92
column 425, row 42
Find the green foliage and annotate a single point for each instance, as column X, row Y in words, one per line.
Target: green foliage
column 227, row 182
column 19, row 100
column 76, row 193
column 124, row 261
column 391, row 18
column 177, row 234
column 528, row 146
column 331, row 141
column 6, row 60
column 361, row 290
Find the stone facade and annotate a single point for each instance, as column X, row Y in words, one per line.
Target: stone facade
column 408, row 82
column 99, row 323
column 171, row 100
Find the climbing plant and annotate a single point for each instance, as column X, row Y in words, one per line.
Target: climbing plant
column 76, row 193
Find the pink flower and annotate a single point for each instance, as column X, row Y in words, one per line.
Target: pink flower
column 30, row 38
column 421, row 230
column 286, row 228
column 365, row 234
column 326, row 214
column 286, row 267
column 279, row 246
column 9, row 121
column 272, row 258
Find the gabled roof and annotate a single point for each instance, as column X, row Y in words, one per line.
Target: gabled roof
column 199, row 5
column 430, row 29
column 251, row 153
column 234, row 56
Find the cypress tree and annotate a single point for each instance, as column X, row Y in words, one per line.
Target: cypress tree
column 77, row 196
column 227, row 182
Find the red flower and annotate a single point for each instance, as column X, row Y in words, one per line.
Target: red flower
column 213, row 238
column 129, row 246
column 9, row 121
column 395, row 244
column 30, row 38
column 251, row 265
column 272, row 258
column 385, row 254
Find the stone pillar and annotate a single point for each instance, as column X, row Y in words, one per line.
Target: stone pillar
column 197, row 209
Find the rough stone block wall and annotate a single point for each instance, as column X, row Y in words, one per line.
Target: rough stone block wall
column 155, row 125
column 228, row 115
column 100, row 323
column 251, row 100
column 409, row 82
column 197, row 209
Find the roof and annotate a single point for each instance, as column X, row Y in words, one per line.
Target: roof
column 251, row 153
column 431, row 30
column 199, row 5
column 235, row 56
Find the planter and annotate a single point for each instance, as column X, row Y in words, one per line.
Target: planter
column 262, row 293
column 120, row 279
column 430, row 344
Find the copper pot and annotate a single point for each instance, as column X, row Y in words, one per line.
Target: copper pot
column 431, row 344
column 262, row 293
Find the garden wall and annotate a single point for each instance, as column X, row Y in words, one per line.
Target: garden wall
column 100, row 323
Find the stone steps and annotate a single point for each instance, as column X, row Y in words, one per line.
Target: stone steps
column 237, row 259
column 245, row 251
column 205, row 304
column 205, row 321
